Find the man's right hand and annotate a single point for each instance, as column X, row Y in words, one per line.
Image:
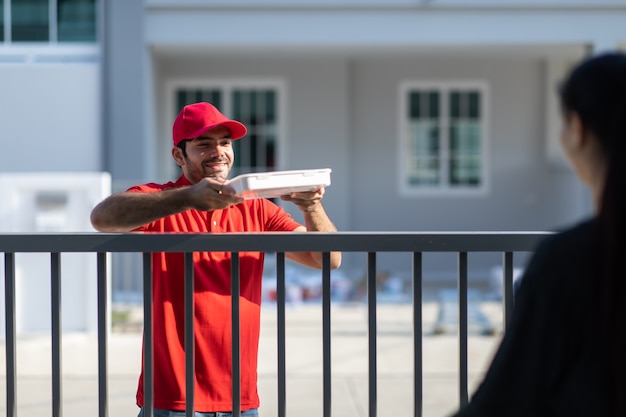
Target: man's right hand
column 126, row 211
column 211, row 194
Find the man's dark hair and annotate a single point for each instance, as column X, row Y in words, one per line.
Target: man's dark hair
column 183, row 147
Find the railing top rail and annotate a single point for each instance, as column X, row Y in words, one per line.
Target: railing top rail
column 273, row 242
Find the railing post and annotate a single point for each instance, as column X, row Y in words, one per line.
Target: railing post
column 148, row 338
column 190, row 370
column 236, row 334
column 507, row 286
column 103, row 400
column 9, row 294
column 326, row 332
column 55, row 275
column 371, row 332
column 463, row 333
column 417, row 335
column 280, row 306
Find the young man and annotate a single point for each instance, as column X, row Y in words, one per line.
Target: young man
column 200, row 201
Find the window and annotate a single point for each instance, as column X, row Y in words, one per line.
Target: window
column 254, row 106
column 29, row 20
column 48, row 20
column 2, row 20
column 443, row 142
column 76, row 20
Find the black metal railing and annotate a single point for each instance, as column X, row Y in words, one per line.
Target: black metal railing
column 370, row 244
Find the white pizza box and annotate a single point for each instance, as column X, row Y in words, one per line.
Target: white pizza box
column 277, row 183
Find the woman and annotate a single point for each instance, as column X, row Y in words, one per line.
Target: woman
column 564, row 352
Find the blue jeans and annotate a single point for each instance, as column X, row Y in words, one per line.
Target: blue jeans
column 254, row 412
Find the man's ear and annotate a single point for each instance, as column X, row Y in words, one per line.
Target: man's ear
column 177, row 154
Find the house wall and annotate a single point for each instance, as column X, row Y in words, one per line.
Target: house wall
column 526, row 189
column 50, row 118
column 525, row 192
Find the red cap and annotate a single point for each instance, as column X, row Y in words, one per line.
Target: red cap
column 195, row 119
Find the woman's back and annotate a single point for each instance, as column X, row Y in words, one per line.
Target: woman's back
column 563, row 353
column 550, row 362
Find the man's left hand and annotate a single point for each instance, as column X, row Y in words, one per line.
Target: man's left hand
column 306, row 201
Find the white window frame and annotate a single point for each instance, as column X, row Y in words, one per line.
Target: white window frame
column 226, row 85
column 443, row 189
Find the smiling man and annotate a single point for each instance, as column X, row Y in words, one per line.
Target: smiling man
column 200, row 201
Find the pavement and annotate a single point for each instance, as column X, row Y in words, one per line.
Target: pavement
column 349, row 366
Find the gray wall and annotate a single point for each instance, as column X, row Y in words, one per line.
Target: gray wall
column 526, row 191
column 50, row 117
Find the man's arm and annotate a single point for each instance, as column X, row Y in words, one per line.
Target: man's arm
column 316, row 220
column 126, row 211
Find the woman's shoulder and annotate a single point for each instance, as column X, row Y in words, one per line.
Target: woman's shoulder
column 566, row 255
column 582, row 237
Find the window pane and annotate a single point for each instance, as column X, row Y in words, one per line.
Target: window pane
column 29, row 20
column 424, row 138
column 414, row 105
column 455, row 105
column 425, row 171
column 433, row 104
column 2, row 20
column 270, row 106
column 257, row 109
column 184, row 97
column 465, row 153
column 245, row 111
column 423, row 153
column 181, row 100
column 76, row 20
column 474, row 105
column 465, row 172
column 237, row 104
column 212, row 96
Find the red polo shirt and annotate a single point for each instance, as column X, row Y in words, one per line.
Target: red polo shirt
column 212, row 322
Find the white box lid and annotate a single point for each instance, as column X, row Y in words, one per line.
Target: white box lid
column 277, row 183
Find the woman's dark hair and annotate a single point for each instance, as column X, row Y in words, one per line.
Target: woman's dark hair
column 596, row 92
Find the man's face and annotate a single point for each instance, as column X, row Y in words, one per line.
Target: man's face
column 209, row 155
